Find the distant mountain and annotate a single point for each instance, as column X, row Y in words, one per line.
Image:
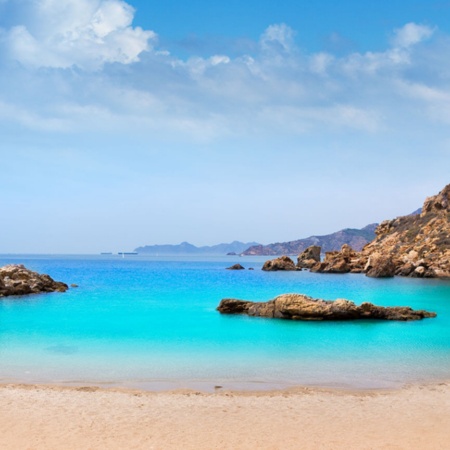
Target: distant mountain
column 356, row 238
column 188, row 249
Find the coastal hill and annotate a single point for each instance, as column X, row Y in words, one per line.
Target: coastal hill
column 185, row 248
column 416, row 245
column 419, row 245
column 355, row 238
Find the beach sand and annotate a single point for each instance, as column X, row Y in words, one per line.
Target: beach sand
column 43, row 417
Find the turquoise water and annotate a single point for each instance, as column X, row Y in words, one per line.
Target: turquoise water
column 151, row 323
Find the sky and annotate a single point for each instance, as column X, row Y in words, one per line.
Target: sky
column 130, row 123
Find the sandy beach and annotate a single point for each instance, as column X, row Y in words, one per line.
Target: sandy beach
column 46, row 417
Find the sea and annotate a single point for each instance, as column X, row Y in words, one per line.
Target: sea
column 151, row 323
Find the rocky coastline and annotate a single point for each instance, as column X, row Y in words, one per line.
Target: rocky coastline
column 302, row 307
column 413, row 246
column 16, row 279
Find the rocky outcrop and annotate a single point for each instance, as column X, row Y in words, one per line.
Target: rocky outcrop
column 302, row 307
column 236, row 267
column 337, row 262
column 281, row 263
column 416, row 245
column 309, row 258
column 380, row 266
column 18, row 280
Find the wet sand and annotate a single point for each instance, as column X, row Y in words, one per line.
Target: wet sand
column 51, row 417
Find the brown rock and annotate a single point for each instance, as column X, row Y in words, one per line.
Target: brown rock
column 18, row 280
column 236, row 267
column 337, row 262
column 281, row 263
column 380, row 266
column 302, row 307
column 309, row 258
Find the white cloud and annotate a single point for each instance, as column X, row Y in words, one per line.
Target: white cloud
column 399, row 54
column 277, row 89
column 278, row 38
column 411, row 34
column 82, row 33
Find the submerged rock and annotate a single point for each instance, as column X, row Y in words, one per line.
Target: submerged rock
column 281, row 263
column 302, row 307
column 16, row 279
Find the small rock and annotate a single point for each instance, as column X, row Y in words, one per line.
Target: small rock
column 236, row 267
column 281, row 263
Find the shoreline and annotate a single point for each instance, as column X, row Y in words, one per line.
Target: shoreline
column 54, row 416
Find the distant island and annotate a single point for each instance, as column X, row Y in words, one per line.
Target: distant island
column 185, row 248
column 355, row 238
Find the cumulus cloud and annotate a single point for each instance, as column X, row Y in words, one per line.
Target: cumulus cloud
column 82, row 33
column 276, row 89
column 278, row 38
column 411, row 34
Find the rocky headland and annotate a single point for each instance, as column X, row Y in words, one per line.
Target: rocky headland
column 302, row 307
column 16, row 279
column 417, row 245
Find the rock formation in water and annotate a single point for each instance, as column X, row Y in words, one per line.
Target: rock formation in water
column 309, row 257
column 281, row 263
column 356, row 238
column 236, row 267
column 15, row 279
column 302, row 307
column 416, row 245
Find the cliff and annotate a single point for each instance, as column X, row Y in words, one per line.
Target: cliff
column 418, row 245
column 413, row 245
column 356, row 238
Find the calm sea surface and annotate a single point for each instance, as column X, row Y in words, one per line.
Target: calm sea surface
column 151, row 323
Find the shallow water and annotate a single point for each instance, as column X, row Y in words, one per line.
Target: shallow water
column 151, row 323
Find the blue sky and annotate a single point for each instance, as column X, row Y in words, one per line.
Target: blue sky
column 132, row 123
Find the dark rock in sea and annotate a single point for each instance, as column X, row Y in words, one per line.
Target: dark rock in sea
column 302, row 307
column 281, row 263
column 251, row 268
column 309, row 258
column 236, row 267
column 18, row 280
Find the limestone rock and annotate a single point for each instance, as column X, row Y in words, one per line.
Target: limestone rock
column 281, row 263
column 302, row 307
column 15, row 279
